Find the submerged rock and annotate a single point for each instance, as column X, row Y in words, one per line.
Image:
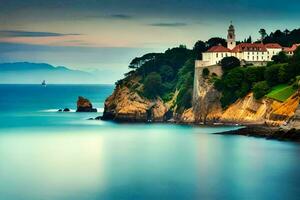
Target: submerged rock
column 98, row 118
column 84, row 105
column 60, row 110
column 66, row 110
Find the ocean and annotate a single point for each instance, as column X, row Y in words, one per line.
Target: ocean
column 49, row 155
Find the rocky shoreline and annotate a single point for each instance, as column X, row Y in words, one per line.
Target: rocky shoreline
column 261, row 118
column 275, row 133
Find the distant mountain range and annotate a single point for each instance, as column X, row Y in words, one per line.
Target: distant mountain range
column 25, row 72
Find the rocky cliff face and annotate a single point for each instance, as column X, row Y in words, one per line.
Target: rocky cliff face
column 126, row 105
column 263, row 111
column 247, row 110
column 206, row 102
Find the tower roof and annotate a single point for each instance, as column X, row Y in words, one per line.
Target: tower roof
column 231, row 27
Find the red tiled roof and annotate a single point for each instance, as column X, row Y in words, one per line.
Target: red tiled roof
column 291, row 49
column 273, row 46
column 218, row 49
column 249, row 47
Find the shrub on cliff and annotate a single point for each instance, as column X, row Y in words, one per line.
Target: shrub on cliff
column 153, row 85
column 280, row 58
column 278, row 73
column 237, row 83
column 229, row 63
column 205, row 72
column 167, row 73
column 260, row 89
column 185, row 85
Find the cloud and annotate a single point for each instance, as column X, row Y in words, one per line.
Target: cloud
column 121, row 16
column 172, row 24
column 19, row 33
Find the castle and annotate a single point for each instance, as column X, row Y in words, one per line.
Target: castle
column 248, row 53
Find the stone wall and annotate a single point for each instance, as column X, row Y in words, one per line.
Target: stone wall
column 199, row 66
column 206, row 99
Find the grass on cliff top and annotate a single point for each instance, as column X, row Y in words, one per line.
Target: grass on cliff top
column 281, row 92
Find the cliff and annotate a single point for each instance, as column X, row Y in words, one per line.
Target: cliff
column 207, row 106
column 206, row 99
column 126, row 105
column 248, row 110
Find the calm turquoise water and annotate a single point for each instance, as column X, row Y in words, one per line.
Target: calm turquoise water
column 45, row 155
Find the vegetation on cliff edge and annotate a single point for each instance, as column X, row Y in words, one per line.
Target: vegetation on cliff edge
column 239, row 81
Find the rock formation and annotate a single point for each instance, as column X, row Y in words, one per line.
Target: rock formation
column 125, row 104
column 206, row 100
column 84, row 105
column 263, row 111
column 207, row 107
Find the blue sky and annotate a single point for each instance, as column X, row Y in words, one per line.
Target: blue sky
column 104, row 35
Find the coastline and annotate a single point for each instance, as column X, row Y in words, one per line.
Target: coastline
column 259, row 130
column 274, row 133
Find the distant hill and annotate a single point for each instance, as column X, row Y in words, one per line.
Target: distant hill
column 25, row 72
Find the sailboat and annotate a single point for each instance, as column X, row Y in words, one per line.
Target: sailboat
column 44, row 83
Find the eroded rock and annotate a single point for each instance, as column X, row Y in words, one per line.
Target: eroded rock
column 84, row 105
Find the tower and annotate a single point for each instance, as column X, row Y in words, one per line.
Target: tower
column 231, row 37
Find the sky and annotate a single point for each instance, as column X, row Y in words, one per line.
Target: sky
column 102, row 36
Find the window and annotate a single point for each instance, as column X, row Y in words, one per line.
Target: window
column 217, row 55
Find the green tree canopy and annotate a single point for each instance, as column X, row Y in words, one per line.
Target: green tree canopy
column 167, row 73
column 260, row 89
column 280, row 58
column 199, row 47
column 152, row 85
column 229, row 63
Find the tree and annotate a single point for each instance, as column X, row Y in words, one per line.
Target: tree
column 263, row 34
column 139, row 61
column 260, row 89
column 271, row 74
column 286, row 32
column 215, row 41
column 152, row 85
column 249, row 39
column 229, row 63
column 280, row 58
column 167, row 73
column 199, row 47
column 205, row 72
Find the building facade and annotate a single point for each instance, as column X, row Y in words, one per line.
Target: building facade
column 290, row 50
column 254, row 53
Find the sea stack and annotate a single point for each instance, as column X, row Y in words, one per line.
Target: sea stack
column 84, row 105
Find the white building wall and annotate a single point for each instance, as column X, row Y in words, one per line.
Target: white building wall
column 213, row 58
column 272, row 52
